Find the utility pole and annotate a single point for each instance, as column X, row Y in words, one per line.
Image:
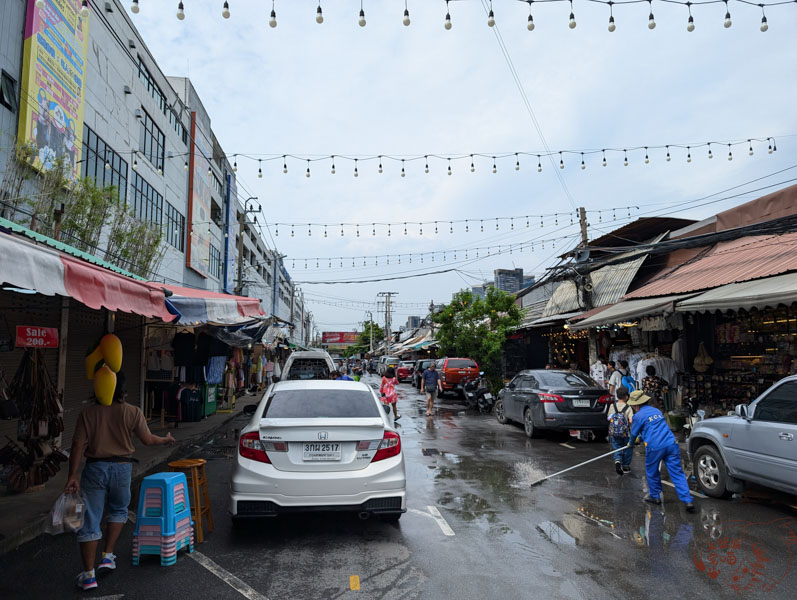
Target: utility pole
column 585, row 287
column 248, row 208
column 371, row 336
column 388, row 297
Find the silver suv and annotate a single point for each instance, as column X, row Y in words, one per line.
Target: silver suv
column 757, row 444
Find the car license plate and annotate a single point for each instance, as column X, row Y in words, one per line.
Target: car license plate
column 582, row 403
column 321, row 451
column 488, row 396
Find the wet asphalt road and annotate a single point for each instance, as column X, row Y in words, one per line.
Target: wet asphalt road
column 586, row 534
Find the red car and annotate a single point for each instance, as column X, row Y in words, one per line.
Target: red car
column 404, row 370
column 455, row 371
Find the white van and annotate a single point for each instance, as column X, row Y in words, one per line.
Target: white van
column 385, row 362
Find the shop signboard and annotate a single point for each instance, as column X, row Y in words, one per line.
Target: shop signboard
column 30, row 336
column 231, row 238
column 54, row 58
column 339, row 337
column 199, row 184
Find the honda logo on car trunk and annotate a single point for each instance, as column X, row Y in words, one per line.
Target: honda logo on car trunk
column 323, row 435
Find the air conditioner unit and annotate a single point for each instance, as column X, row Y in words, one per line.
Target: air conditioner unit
column 131, row 43
column 128, row 90
column 139, row 113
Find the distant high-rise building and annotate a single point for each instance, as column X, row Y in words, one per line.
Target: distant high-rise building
column 413, row 323
column 527, row 281
column 479, row 290
column 509, row 280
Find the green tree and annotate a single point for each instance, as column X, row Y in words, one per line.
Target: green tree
column 477, row 328
column 363, row 344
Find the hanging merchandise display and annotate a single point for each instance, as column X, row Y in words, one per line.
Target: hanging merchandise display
column 35, row 459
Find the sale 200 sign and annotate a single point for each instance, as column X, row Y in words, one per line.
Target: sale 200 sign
column 37, row 337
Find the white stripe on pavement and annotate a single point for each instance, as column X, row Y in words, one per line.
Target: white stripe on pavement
column 568, row 446
column 239, row 586
column 444, row 526
column 672, row 485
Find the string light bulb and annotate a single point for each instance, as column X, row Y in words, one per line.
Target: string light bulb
column 332, row 170
column 530, row 23
column 361, row 21
column 604, row 158
column 259, row 169
column 447, row 22
column 235, row 165
column 472, row 166
column 84, row 9
column 730, row 154
column 134, row 8
column 690, row 24
column 688, row 154
column 180, row 11
column 751, row 147
column 135, row 164
column 406, row 20
column 307, row 173
column 651, row 20
column 225, row 12
column 710, row 154
column 272, row 21
column 625, row 158
column 572, row 23
column 380, row 170
column 668, row 154
column 319, row 14
column 647, row 158
column 449, row 166
column 495, row 169
column 284, row 164
column 517, row 162
column 403, row 173
column 612, row 26
column 185, row 166
column 356, row 172
column 426, row 165
column 764, row 24
column 539, row 164
column 491, row 16
column 728, row 21
column 561, row 161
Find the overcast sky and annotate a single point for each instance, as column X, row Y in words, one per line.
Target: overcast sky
column 337, row 88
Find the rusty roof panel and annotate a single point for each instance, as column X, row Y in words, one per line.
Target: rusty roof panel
column 743, row 259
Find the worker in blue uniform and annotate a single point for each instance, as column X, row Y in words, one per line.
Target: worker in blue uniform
column 660, row 445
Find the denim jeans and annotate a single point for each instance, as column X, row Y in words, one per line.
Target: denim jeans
column 103, row 482
column 622, row 456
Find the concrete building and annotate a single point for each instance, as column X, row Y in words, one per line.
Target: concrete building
column 413, row 323
column 131, row 126
column 509, row 280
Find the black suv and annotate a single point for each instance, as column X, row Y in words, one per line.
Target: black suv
column 420, row 367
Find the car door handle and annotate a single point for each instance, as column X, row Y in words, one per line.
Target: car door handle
column 786, row 436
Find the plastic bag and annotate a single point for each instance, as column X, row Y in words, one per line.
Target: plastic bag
column 67, row 514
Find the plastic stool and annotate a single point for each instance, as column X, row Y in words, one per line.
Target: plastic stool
column 194, row 470
column 162, row 503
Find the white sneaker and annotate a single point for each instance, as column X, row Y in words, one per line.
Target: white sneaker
column 86, row 580
column 107, row 564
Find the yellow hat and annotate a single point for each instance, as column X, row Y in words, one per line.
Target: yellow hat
column 637, row 397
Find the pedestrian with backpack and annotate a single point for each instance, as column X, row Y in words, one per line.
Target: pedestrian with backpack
column 627, row 380
column 620, row 416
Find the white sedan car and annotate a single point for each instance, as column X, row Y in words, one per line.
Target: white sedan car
column 318, row 445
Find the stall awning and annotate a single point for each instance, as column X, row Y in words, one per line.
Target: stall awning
column 196, row 307
column 550, row 320
column 760, row 293
column 50, row 272
column 629, row 310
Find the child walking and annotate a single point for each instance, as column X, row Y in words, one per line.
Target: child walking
column 388, row 390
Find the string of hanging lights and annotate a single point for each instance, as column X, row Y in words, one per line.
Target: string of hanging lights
column 629, row 154
column 477, row 225
column 530, row 25
column 431, row 256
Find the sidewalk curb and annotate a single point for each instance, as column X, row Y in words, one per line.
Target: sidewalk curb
column 34, row 529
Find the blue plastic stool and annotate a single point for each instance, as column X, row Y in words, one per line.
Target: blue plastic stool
column 170, row 514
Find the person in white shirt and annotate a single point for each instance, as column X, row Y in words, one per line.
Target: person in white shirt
column 615, row 379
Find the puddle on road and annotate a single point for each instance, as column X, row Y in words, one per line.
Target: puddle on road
column 556, row 534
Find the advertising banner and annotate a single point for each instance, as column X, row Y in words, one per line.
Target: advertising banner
column 54, row 58
column 198, row 255
column 36, row 337
column 339, row 337
column 230, row 243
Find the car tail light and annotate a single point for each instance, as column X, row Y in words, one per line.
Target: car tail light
column 550, row 398
column 606, row 399
column 275, row 446
column 251, row 448
column 390, row 446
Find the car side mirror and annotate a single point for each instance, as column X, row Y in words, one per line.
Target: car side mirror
column 511, row 386
column 741, row 411
column 250, row 409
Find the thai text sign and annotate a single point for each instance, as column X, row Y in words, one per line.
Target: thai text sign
column 53, row 82
column 36, row 337
column 339, row 337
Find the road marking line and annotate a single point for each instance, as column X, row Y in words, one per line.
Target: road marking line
column 239, row 586
column 420, row 512
column 672, row 485
column 354, row 582
column 567, row 446
column 446, row 528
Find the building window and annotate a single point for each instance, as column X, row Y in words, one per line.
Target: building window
column 152, row 141
column 217, row 186
column 175, row 227
column 8, row 92
column 147, row 203
column 152, row 87
column 96, row 153
column 215, row 262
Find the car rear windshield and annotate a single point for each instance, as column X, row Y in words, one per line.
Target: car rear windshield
column 308, row 368
column 405, row 363
column 315, row 404
column 461, row 363
column 553, row 379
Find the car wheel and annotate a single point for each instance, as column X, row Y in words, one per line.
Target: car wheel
column 390, row 518
column 500, row 415
column 710, row 472
column 528, row 423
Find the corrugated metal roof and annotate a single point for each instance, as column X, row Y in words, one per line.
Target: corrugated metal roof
column 743, row 259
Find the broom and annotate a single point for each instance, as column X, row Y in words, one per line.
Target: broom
column 539, row 481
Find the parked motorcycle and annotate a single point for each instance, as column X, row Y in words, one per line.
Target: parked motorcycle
column 477, row 394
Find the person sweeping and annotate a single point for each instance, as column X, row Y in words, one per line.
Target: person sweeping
column 660, row 445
